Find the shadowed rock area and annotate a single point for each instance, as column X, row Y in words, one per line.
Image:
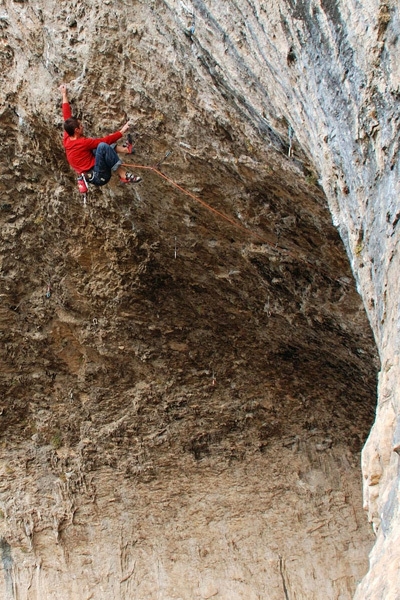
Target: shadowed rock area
column 185, row 396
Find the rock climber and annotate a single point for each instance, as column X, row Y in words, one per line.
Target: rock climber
column 95, row 158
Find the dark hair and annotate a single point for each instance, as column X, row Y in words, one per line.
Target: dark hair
column 70, row 125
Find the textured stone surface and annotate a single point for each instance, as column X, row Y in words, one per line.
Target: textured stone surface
column 184, row 402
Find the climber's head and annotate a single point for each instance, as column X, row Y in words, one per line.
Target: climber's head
column 73, row 127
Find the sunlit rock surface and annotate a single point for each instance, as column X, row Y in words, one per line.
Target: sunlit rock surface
column 185, row 393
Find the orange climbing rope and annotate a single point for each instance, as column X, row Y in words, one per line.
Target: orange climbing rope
column 229, row 220
column 214, row 210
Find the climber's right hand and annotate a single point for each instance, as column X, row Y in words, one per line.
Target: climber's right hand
column 125, row 127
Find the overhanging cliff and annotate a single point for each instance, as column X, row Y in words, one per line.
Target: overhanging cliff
column 185, row 398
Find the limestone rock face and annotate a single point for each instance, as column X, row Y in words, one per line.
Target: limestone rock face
column 189, row 365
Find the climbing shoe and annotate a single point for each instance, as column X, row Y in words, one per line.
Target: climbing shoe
column 129, row 144
column 130, row 178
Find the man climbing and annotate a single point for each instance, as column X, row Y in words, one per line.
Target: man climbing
column 95, row 158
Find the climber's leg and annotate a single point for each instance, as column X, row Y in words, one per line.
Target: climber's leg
column 107, row 162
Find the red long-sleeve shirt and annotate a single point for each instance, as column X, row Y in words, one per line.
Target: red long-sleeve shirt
column 79, row 152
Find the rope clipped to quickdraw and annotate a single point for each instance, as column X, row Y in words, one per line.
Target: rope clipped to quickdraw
column 194, row 197
column 192, row 27
column 290, row 134
column 160, row 162
column 229, row 219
